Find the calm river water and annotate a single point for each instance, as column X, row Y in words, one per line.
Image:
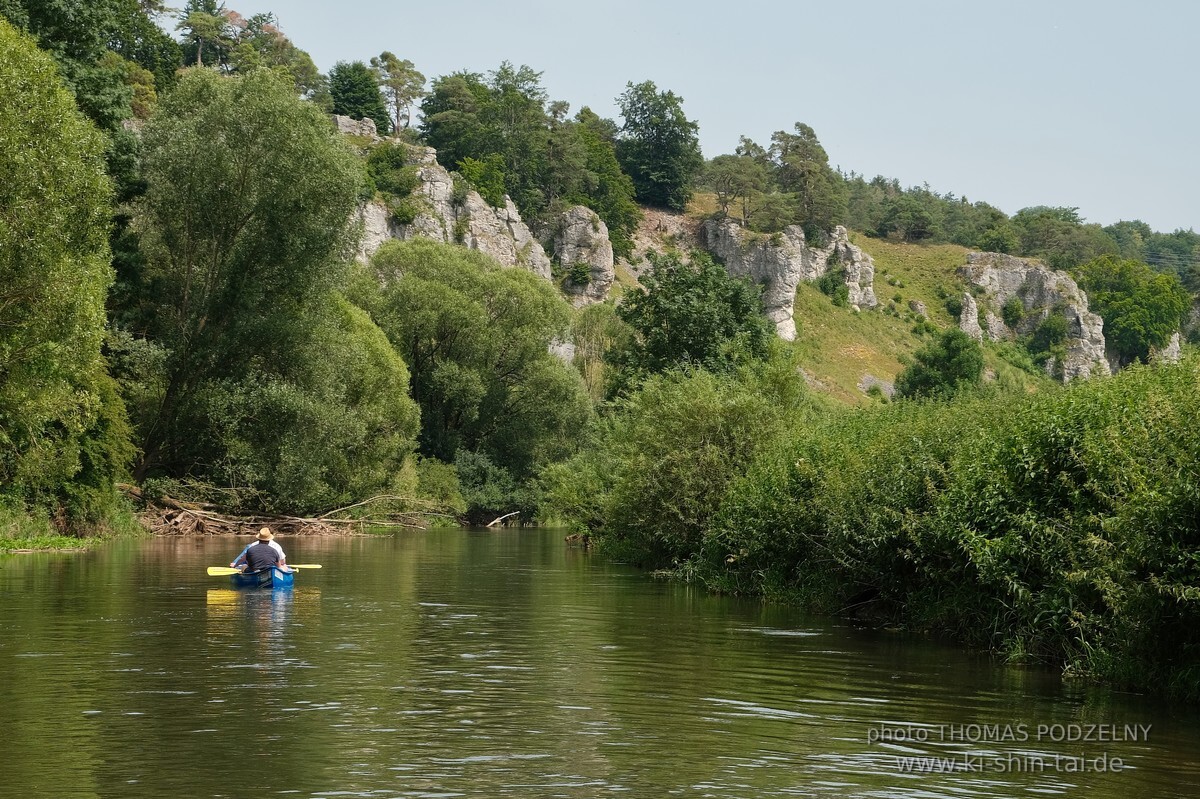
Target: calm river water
column 453, row 663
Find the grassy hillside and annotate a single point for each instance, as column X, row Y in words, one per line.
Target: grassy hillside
column 840, row 348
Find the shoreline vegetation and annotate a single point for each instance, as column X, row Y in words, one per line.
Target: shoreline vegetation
column 1059, row 527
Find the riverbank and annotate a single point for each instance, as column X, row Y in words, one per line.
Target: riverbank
column 1059, row 528
column 21, row 533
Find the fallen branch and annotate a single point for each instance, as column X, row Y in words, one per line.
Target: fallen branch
column 495, row 522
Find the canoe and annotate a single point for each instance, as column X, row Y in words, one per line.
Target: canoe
column 267, row 578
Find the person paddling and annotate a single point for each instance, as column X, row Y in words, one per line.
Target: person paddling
column 261, row 554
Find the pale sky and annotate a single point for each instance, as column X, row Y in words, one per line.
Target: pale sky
column 1084, row 103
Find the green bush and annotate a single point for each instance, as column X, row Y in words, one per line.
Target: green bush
column 1060, row 526
column 943, row 367
column 833, row 285
column 580, row 274
column 1013, row 312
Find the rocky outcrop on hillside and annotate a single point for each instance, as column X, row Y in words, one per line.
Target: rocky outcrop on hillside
column 778, row 262
column 456, row 215
column 858, row 268
column 356, row 127
column 581, row 245
column 1042, row 292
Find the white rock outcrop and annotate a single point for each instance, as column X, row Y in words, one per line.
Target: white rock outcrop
column 1042, row 291
column 581, row 240
column 779, row 261
column 460, row 218
column 356, row 127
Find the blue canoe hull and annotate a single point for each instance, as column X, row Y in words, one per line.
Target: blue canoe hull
column 267, row 578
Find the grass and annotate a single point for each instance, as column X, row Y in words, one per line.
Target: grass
column 838, row 347
column 20, row 533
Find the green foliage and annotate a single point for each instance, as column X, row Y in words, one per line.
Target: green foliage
column 207, row 36
column 475, row 337
column 333, row 428
column 83, row 37
column 1060, row 525
column 735, row 179
column 605, row 188
column 580, row 273
column 388, row 169
column 943, row 367
column 503, row 130
column 808, row 192
column 658, row 466
column 595, row 331
column 438, row 483
column 490, row 491
column 401, row 83
column 486, row 177
column 1058, row 236
column 1013, row 312
column 833, row 285
column 1047, row 339
column 1001, row 238
column 907, row 218
column 244, row 226
column 355, row 94
column 63, row 435
column 1141, row 309
column 658, row 146
column 689, row 313
column 772, row 212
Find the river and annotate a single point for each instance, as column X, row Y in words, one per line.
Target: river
column 500, row 664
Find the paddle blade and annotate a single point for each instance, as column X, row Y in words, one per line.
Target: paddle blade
column 218, row 571
column 304, row 565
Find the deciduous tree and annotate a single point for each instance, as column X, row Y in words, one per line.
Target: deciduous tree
column 1141, row 308
column 244, row 224
column 943, row 367
column 689, row 313
column 658, row 146
column 476, row 339
column 63, row 438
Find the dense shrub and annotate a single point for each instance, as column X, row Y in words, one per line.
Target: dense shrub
column 1060, row 527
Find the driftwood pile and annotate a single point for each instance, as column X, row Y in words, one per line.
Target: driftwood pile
column 172, row 517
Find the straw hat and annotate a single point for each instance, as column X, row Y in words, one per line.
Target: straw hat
column 265, row 534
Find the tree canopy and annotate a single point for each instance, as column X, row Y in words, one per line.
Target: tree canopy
column 1141, row 308
column 658, row 146
column 689, row 313
column 61, row 424
column 80, row 35
column 244, row 225
column 943, row 367
column 504, row 134
column 355, row 92
column 476, row 337
column 402, row 86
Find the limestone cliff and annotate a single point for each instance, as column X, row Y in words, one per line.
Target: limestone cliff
column 778, row 263
column 582, row 247
column 1041, row 291
column 456, row 216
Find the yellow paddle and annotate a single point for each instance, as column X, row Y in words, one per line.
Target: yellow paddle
column 218, row 571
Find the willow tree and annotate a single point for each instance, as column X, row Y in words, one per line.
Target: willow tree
column 60, row 423
column 246, row 230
